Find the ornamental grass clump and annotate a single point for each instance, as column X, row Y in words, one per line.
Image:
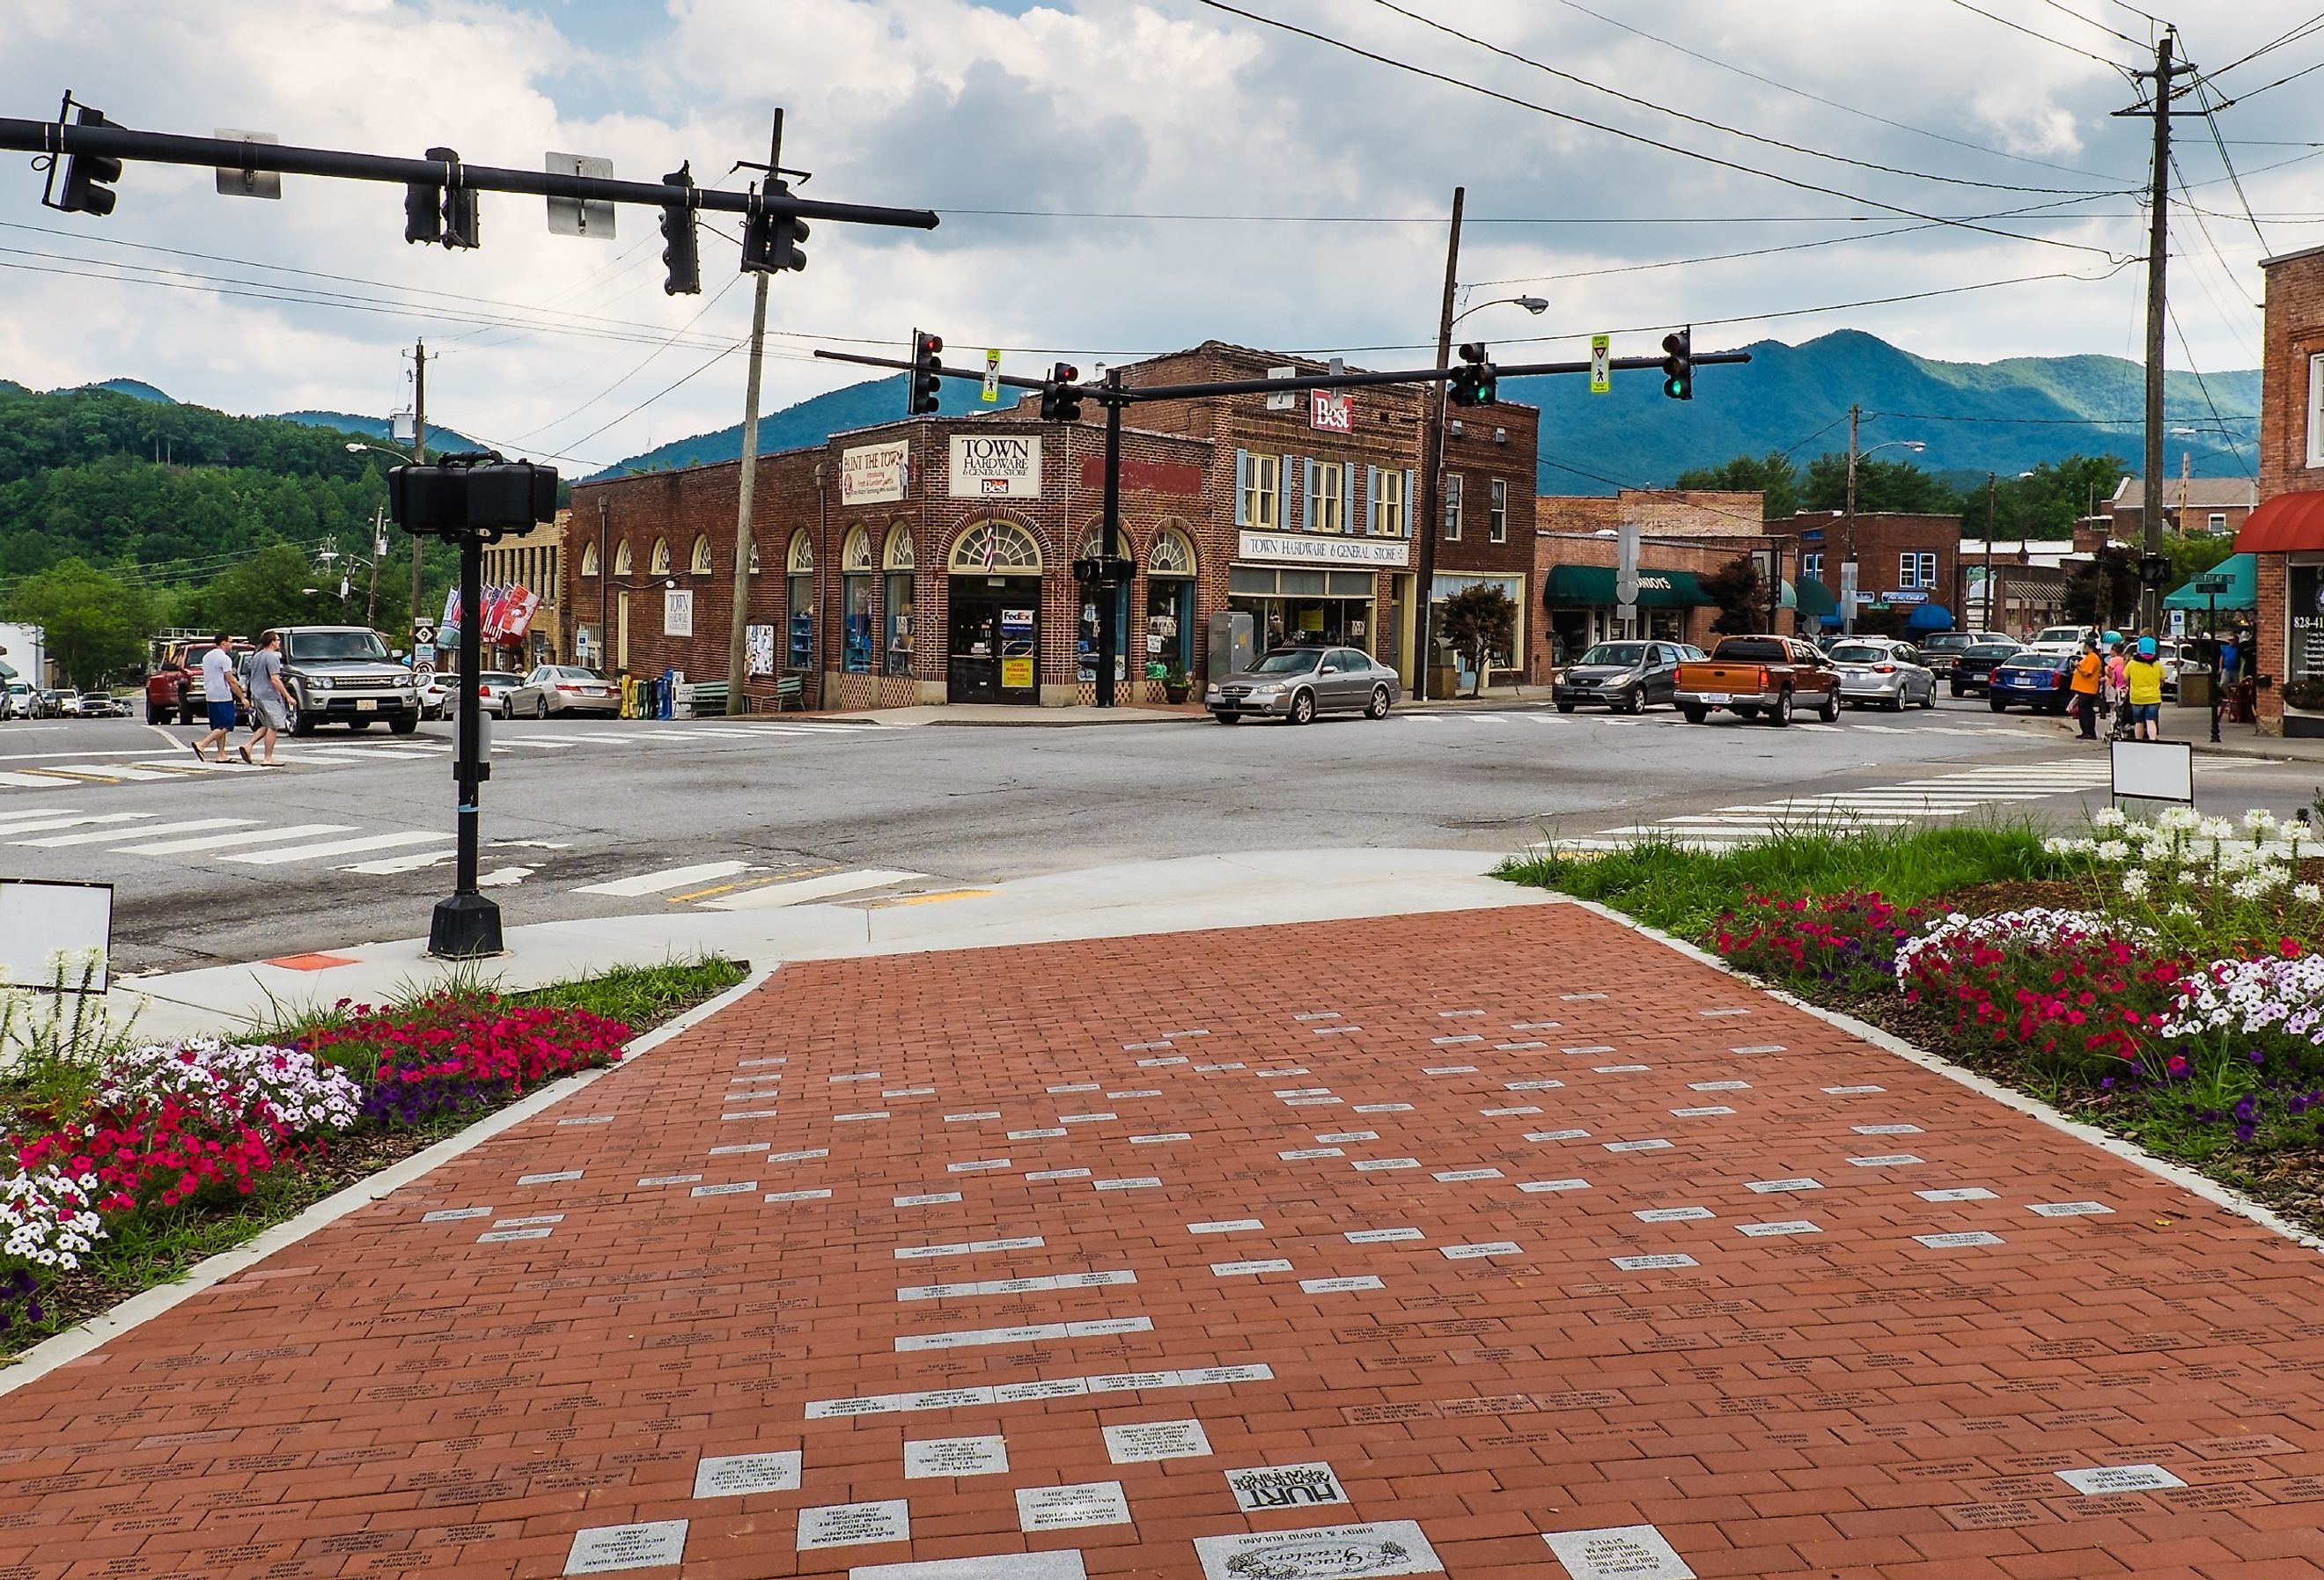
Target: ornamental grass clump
column 1844, row 943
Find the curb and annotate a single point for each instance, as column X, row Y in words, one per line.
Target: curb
column 2186, row 1178
column 65, row 1348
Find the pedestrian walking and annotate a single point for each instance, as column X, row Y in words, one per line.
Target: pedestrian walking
column 270, row 698
column 2089, row 673
column 2142, row 674
column 221, row 687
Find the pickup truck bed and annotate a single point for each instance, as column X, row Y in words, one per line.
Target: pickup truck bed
column 1759, row 676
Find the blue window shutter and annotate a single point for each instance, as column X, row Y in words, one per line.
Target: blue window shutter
column 1409, row 500
column 1351, row 507
column 1307, row 493
column 1283, row 494
column 1371, row 498
column 1242, row 484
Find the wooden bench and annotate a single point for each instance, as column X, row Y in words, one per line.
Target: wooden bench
column 710, row 698
column 790, row 691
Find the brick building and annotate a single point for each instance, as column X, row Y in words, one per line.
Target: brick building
column 534, row 562
column 928, row 559
column 1907, row 563
column 2285, row 534
column 2193, row 505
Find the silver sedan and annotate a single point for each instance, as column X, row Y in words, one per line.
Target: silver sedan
column 556, row 688
column 1880, row 672
column 1297, row 683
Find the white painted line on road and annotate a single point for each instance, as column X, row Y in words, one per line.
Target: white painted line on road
column 411, row 863
column 35, row 756
column 108, row 771
column 34, row 809
column 301, row 852
column 219, row 841
column 27, row 782
column 505, row 740
column 799, row 890
column 75, row 820
column 60, row 841
column 668, row 878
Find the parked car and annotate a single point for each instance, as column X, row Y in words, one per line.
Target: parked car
column 98, row 705
column 2062, row 639
column 435, row 697
column 161, row 689
column 1973, row 667
column 556, row 688
column 192, row 701
column 2041, row 681
column 1880, row 672
column 56, row 704
column 1623, row 676
column 493, row 687
column 20, row 700
column 1297, row 683
column 1756, row 676
column 1940, row 651
column 2173, row 655
column 342, row 674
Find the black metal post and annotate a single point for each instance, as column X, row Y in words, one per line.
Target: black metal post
column 1103, row 588
column 2219, row 670
column 468, row 923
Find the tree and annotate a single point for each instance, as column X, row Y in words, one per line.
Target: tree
column 1740, row 592
column 2046, row 502
column 2190, row 557
column 1881, row 485
column 1481, row 619
column 268, row 589
column 1772, row 476
column 95, row 623
column 2105, row 592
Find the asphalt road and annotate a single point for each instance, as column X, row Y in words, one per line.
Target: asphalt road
column 350, row 842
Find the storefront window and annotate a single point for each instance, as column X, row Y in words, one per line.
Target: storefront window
column 799, row 651
column 1115, row 603
column 855, row 602
column 897, row 602
column 1169, row 605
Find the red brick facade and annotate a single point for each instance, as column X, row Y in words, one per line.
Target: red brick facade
column 2291, row 341
column 1695, row 531
column 1918, row 556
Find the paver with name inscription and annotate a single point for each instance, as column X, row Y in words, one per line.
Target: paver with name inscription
column 1138, row 1442
column 1620, row 1552
column 604, row 1549
column 736, row 1476
column 1329, row 1552
column 843, row 1525
column 1285, row 1486
column 1068, row 1508
column 955, row 1457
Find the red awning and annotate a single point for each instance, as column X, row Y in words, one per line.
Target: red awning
column 2287, row 523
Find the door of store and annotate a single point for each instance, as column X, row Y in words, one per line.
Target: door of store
column 996, row 639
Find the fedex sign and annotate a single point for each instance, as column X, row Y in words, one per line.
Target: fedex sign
column 1331, row 411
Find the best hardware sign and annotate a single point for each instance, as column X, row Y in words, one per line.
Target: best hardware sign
column 996, row 466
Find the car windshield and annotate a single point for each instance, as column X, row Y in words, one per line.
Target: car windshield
column 1752, row 649
column 334, row 646
column 1857, row 653
column 499, row 678
column 2033, row 660
column 2072, row 633
column 1991, row 649
column 1947, row 641
column 1616, row 652
column 1290, row 661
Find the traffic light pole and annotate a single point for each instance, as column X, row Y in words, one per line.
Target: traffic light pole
column 467, row 924
column 1115, row 396
column 1104, row 589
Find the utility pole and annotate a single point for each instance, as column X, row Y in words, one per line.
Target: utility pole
column 378, row 547
column 1992, row 486
column 2158, row 243
column 1432, row 471
column 419, row 458
column 738, row 618
column 1847, row 553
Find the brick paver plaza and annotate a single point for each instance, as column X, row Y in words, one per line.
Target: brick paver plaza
column 1368, row 1248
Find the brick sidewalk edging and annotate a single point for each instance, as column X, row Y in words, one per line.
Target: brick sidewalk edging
column 1507, row 1244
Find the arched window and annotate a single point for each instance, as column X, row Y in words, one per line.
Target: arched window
column 702, row 555
column 622, row 561
column 660, row 565
column 1170, row 602
column 800, row 561
column 995, row 547
column 896, row 601
column 1093, row 541
column 1117, row 603
column 855, row 552
column 1171, row 555
column 588, row 560
column 899, row 555
column 855, row 601
column 798, row 586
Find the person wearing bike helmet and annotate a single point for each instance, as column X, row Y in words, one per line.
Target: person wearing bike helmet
column 2142, row 674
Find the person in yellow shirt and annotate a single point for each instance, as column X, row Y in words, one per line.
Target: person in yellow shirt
column 2143, row 675
column 2089, row 670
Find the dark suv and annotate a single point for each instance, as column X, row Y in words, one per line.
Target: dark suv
column 342, row 674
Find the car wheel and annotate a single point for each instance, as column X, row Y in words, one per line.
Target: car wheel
column 404, row 723
column 301, row 722
column 157, row 715
column 1995, row 704
column 1226, row 715
column 186, row 718
column 1958, row 689
column 1830, row 709
column 1694, row 716
column 1303, row 708
column 1633, row 703
column 1379, row 703
column 1929, row 697
column 540, row 707
column 1780, row 715
column 1565, row 707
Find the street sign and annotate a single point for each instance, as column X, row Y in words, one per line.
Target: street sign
column 1626, row 562
column 1600, row 349
column 1283, row 399
column 423, row 633
column 233, row 181
column 577, row 215
column 991, row 395
column 1626, row 612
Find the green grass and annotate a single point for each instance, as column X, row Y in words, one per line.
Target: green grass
column 1683, row 891
column 639, row 996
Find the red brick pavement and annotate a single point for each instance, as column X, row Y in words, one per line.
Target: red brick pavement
column 441, row 1398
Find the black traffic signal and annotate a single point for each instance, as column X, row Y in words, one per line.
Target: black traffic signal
column 681, row 254
column 88, row 177
column 1060, row 402
column 423, row 212
column 434, row 212
column 1476, row 382
column 926, row 381
column 774, row 242
column 1678, row 364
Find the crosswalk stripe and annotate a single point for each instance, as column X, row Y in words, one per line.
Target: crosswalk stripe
column 27, row 780
column 75, row 820
column 100, row 836
column 100, row 770
column 799, row 890
column 534, row 745
column 219, row 841
column 301, row 852
column 31, row 809
column 408, row 862
column 669, row 878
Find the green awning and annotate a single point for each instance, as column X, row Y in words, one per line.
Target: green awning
column 1814, row 599
column 1592, row 586
column 2242, row 591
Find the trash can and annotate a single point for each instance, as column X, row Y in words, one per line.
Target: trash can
column 2195, row 688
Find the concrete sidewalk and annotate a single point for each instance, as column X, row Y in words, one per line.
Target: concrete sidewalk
column 1506, row 1245
column 1248, row 889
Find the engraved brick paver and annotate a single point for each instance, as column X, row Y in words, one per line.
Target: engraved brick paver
column 1000, row 1205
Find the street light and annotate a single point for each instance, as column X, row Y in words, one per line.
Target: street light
column 1847, row 551
column 1535, row 305
column 357, row 447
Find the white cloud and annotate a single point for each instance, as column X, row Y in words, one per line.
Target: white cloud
column 1138, row 106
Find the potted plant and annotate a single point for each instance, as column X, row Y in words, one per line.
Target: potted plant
column 1176, row 686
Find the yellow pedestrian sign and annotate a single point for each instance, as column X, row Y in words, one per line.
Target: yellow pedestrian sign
column 1600, row 379
column 992, row 396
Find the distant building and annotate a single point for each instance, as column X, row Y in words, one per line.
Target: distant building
column 2194, row 505
column 2286, row 533
column 535, row 562
column 1906, row 563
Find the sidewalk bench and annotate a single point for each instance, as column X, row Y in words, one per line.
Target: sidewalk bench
column 790, row 691
column 710, row 698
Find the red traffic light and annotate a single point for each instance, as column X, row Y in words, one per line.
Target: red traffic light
column 1065, row 373
column 931, row 345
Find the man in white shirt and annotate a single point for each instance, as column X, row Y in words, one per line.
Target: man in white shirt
column 221, row 687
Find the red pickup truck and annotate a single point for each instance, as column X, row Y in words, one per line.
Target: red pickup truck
column 1759, row 676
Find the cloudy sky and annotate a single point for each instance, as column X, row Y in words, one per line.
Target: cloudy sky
column 1124, row 176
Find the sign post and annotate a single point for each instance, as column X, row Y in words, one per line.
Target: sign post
column 1626, row 567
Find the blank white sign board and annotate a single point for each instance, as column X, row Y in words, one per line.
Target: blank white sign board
column 2154, row 771
column 38, row 921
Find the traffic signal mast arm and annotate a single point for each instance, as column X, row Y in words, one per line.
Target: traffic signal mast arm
column 51, row 137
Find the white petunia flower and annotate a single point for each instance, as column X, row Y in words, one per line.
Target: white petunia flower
column 2307, row 893
column 2113, row 850
column 2134, row 882
column 2109, row 818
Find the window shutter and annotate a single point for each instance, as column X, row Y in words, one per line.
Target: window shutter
column 1307, row 493
column 1409, row 498
column 1283, row 496
column 1371, row 499
column 1243, row 486
column 1350, row 503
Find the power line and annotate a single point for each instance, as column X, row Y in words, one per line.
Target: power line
column 641, row 366
column 2279, row 82
column 1637, row 137
column 2062, row 8
column 2234, row 448
column 1784, row 87
column 1523, row 59
column 2045, row 38
column 2290, row 35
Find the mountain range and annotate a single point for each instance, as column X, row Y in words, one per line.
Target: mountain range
column 1973, row 418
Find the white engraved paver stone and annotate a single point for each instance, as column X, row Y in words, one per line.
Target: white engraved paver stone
column 1347, row 1285
column 845, row 1525
column 1065, row 1508
column 2099, row 1478
column 1646, row 1264
column 1063, row 1565
column 2071, row 1209
column 1955, row 1242
column 1142, row 1441
column 737, row 1475
column 1285, row 1486
column 1323, row 1552
column 604, row 1548
column 1618, row 1552
column 936, row 1456
column 1957, row 1193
